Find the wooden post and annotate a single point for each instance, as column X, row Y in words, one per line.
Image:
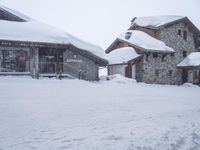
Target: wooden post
column 193, row 73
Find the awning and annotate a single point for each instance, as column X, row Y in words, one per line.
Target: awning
column 191, row 61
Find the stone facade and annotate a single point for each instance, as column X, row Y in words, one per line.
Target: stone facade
column 157, row 69
column 163, row 68
column 79, row 66
column 179, row 44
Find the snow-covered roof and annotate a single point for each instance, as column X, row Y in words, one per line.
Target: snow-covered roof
column 144, row 41
column 156, row 21
column 192, row 60
column 121, row 55
column 18, row 14
column 35, row 31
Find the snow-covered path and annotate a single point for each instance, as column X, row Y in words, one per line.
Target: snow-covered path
column 50, row 114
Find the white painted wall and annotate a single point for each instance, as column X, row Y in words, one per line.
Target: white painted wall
column 117, row 69
column 133, row 72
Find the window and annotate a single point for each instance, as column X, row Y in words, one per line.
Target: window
column 179, row 32
column 14, row 60
column 155, row 55
column 172, row 54
column 163, row 57
column 185, row 35
column 157, row 72
column 170, row 73
column 128, row 35
column 196, row 74
column 147, row 56
column 184, row 54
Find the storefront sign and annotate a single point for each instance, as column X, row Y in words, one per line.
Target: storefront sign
column 74, row 61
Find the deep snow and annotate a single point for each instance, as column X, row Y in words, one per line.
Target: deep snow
column 121, row 55
column 192, row 59
column 120, row 114
column 156, row 21
column 143, row 40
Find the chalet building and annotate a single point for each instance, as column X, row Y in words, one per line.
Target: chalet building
column 29, row 47
column 159, row 63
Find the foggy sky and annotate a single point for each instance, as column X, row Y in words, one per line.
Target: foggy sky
column 101, row 21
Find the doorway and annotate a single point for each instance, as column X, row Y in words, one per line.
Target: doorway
column 184, row 76
column 50, row 60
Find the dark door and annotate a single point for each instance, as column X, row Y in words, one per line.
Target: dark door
column 128, row 71
column 50, row 60
column 184, row 76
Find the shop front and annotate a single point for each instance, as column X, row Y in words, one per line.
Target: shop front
column 14, row 60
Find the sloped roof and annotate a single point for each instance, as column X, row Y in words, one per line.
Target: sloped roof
column 122, row 55
column 15, row 13
column 155, row 21
column 141, row 41
column 192, row 60
column 32, row 30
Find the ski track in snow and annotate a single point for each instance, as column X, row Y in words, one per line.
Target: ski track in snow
column 107, row 115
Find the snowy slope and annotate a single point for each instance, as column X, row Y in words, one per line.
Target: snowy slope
column 145, row 41
column 121, row 55
column 35, row 31
column 110, row 115
column 192, row 59
column 156, row 21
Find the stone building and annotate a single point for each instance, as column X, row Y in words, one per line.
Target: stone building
column 28, row 47
column 160, row 67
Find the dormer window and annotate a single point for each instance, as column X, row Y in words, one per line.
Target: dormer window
column 128, row 35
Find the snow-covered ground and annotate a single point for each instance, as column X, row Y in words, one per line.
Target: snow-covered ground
column 119, row 114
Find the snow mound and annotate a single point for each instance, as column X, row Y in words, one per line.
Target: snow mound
column 190, row 85
column 192, row 59
column 50, row 114
column 156, row 21
column 117, row 78
column 121, row 55
column 145, row 41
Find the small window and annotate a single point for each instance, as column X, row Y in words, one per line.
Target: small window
column 155, row 55
column 163, row 58
column 170, row 73
column 184, row 54
column 179, row 32
column 157, row 72
column 196, row 74
column 185, row 35
column 128, row 35
column 147, row 56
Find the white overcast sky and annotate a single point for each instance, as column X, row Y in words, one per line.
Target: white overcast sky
column 100, row 21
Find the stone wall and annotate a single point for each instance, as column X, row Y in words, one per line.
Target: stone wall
column 79, row 66
column 163, row 69
column 172, row 39
column 158, row 69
